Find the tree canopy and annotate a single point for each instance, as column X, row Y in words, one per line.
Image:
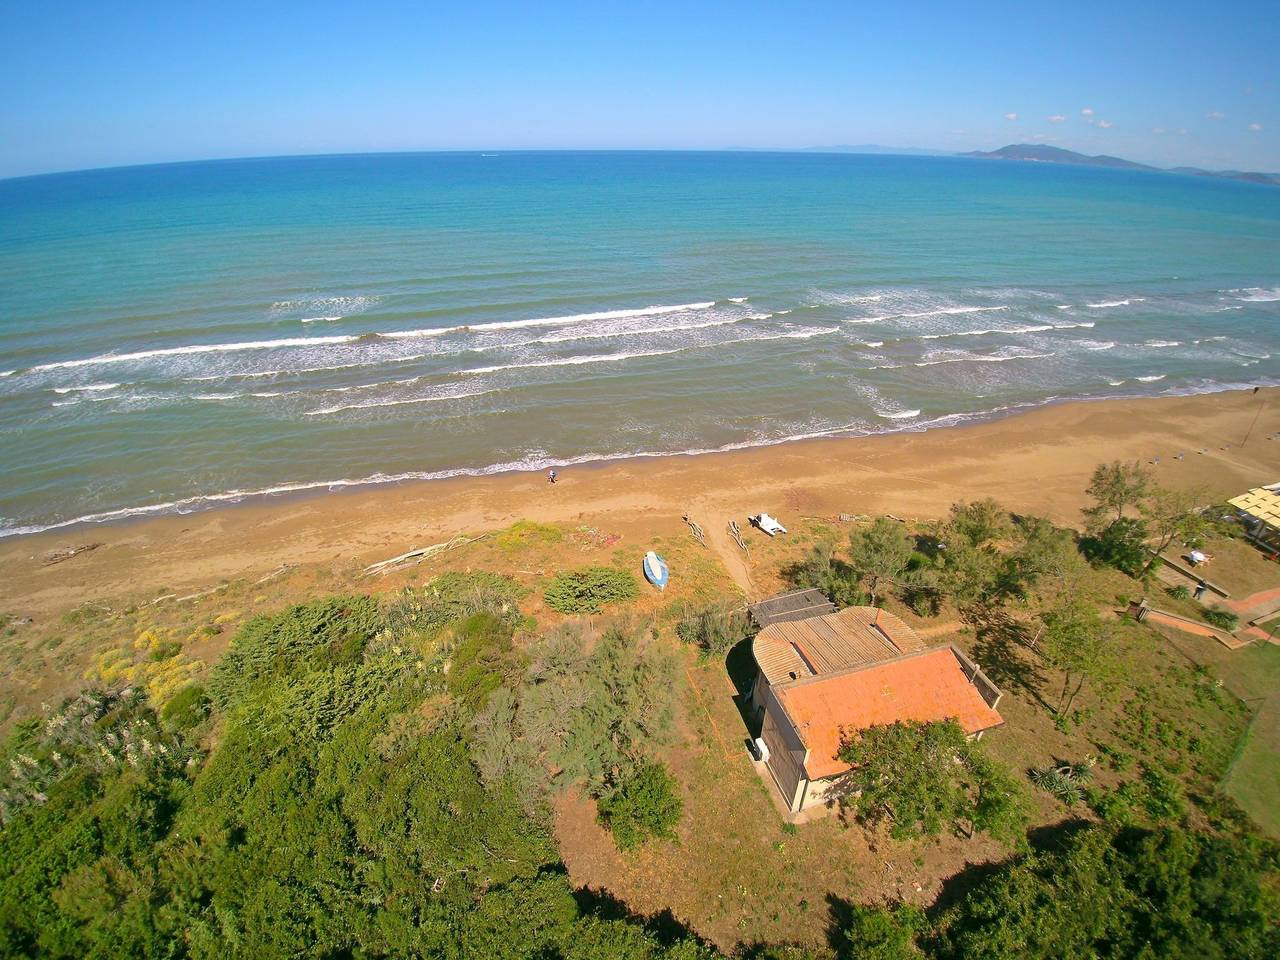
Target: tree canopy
column 879, row 552
column 924, row 778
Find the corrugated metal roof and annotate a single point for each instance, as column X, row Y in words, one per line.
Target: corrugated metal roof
column 1260, row 502
column 796, row 605
column 927, row 687
column 854, row 637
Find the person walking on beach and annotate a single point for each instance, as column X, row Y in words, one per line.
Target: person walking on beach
column 551, row 476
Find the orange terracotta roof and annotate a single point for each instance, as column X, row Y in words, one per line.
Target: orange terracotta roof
column 930, row 686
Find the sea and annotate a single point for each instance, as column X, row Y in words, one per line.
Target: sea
column 179, row 336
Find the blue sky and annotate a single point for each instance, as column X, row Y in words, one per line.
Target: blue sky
column 97, row 84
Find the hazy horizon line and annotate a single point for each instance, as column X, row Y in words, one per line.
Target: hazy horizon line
column 860, row 149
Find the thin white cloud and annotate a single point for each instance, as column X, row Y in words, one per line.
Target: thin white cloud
column 1255, row 127
column 1105, row 124
column 1011, row 116
column 1157, row 130
column 1215, row 115
column 1087, row 112
column 1057, row 118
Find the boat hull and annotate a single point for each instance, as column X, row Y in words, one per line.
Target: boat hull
column 655, row 570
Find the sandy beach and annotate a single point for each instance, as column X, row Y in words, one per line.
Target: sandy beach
column 1036, row 462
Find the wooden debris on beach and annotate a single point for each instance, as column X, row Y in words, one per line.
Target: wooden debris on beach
column 418, row 555
column 283, row 568
column 735, row 531
column 695, row 529
column 190, row 596
column 66, row 553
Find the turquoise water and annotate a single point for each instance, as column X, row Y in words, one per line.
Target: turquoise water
column 177, row 336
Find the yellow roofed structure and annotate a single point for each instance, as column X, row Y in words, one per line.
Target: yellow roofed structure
column 1262, row 506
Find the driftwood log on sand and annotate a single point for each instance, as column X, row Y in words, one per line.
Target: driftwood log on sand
column 419, row 554
column 695, row 529
column 66, row 553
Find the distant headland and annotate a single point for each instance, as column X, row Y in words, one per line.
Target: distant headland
column 1041, row 153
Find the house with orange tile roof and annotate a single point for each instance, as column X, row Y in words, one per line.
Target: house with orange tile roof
column 824, row 678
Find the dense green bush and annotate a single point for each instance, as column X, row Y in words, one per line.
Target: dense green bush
column 266, row 648
column 643, row 805
column 924, row 778
column 1121, row 545
column 341, row 813
column 714, row 628
column 454, row 596
column 481, row 660
column 834, row 577
column 588, row 589
column 1180, row 592
column 1223, row 619
column 1117, row 893
column 187, row 709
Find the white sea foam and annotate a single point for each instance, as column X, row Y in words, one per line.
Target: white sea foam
column 1115, row 303
column 1116, row 383
column 654, row 311
column 1257, row 294
column 940, row 312
column 262, row 374
column 195, row 348
column 874, row 343
column 396, row 403
column 1099, row 345
column 1034, row 328
column 319, row 319
column 737, row 299
column 344, row 305
column 308, row 342
column 606, row 334
column 1153, row 378
column 973, row 358
column 235, row 396
column 1163, row 343
column 898, row 415
column 568, row 361
column 612, row 357
column 87, row 388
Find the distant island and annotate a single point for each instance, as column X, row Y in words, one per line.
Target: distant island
column 1041, row 153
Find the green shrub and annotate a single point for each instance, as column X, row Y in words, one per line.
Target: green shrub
column 482, row 659
column 588, row 589
column 1121, row 545
column 1223, row 619
column 454, row 596
column 1180, row 592
column 1065, row 781
column 1164, row 797
column 714, row 628
column 329, row 632
column 187, row 709
column 642, row 806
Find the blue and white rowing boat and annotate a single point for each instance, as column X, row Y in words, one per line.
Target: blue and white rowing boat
column 655, row 570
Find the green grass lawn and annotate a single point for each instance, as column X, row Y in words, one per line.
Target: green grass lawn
column 1254, row 776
